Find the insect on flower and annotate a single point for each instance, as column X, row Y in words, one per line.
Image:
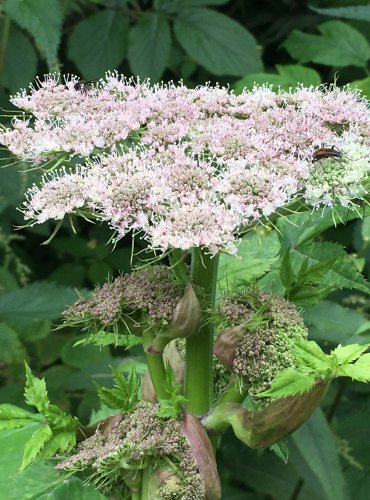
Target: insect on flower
column 84, row 86
column 322, row 153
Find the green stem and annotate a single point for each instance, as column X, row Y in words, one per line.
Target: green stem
column 198, row 381
column 156, row 367
column 234, row 392
column 144, row 484
column 4, row 42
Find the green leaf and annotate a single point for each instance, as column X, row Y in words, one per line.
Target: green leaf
column 363, row 85
column 360, row 370
column 43, row 20
column 72, row 489
column 281, row 450
column 12, row 417
column 171, row 407
column 59, row 443
column 256, row 255
column 348, row 353
column 289, row 76
column 338, row 45
column 19, row 54
column 217, row 42
column 358, row 12
column 314, row 455
column 12, row 350
column 288, row 383
column 38, row 301
column 33, row 447
column 35, row 391
column 99, row 43
column 150, row 45
column 103, row 412
column 103, row 339
column 125, row 394
column 309, row 354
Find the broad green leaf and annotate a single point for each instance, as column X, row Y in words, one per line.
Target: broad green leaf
column 217, row 42
column 19, row 54
column 12, row 350
column 35, row 392
column 358, row 12
column 343, row 273
column 363, row 85
column 313, row 453
column 150, row 45
column 43, row 20
column 33, row 447
column 288, row 383
column 334, row 323
column 338, row 45
column 38, row 301
column 289, row 76
column 99, row 43
column 256, row 255
column 311, row 355
column 72, row 489
column 348, row 353
column 103, row 412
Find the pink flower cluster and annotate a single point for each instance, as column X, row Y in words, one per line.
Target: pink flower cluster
column 187, row 167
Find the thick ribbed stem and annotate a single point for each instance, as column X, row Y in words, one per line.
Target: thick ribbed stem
column 198, row 381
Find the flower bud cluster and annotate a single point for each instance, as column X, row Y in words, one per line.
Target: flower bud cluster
column 151, row 290
column 257, row 333
column 140, row 440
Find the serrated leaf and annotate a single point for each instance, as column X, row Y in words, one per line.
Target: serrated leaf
column 348, row 353
column 338, row 45
column 59, row 443
column 288, row 383
column 19, row 54
column 99, row 43
column 358, row 12
column 33, row 447
column 125, row 393
column 217, row 42
column 359, row 373
column 150, row 45
column 39, row 301
column 43, row 20
column 103, row 339
column 35, row 392
column 309, row 354
column 256, row 255
column 9, row 412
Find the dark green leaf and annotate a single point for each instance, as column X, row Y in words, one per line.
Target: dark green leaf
column 38, row 301
column 12, row 350
column 363, row 85
column 99, row 43
column 315, row 457
column 358, row 12
column 19, row 54
column 72, row 489
column 338, row 45
column 150, row 45
column 281, row 450
column 43, row 20
column 217, row 42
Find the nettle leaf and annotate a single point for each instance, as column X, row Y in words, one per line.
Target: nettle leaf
column 288, row 76
column 288, row 383
column 99, row 43
column 38, row 440
column 358, row 12
column 348, row 353
column 35, row 391
column 150, row 45
column 217, row 42
column 125, row 394
column 19, row 54
column 43, row 20
column 103, row 339
column 338, row 45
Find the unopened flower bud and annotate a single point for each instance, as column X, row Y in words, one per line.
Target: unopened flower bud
column 263, row 428
column 226, row 344
column 164, row 484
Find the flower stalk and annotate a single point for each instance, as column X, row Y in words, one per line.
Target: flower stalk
column 156, row 366
column 199, row 370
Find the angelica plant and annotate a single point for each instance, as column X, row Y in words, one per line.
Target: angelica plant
column 193, row 174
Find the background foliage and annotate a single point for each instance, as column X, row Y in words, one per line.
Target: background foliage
column 238, row 42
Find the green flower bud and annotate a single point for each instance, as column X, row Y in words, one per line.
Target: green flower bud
column 263, row 428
